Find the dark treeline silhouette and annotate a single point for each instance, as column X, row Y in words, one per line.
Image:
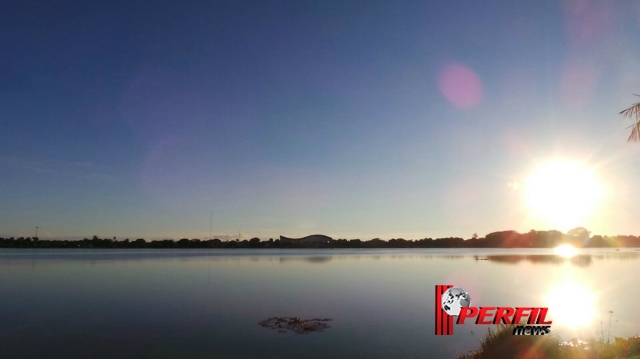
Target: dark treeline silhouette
column 578, row 237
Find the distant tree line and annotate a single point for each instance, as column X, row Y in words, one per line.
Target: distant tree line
column 578, row 237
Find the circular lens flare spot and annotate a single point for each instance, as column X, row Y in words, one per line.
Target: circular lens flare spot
column 461, row 86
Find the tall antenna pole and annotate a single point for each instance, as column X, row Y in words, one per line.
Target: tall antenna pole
column 36, row 231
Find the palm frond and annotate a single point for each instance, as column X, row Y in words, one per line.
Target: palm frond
column 633, row 113
column 635, row 132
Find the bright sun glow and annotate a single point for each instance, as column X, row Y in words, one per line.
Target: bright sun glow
column 566, row 250
column 571, row 304
column 562, row 193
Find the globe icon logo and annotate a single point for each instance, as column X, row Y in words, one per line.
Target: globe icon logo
column 455, row 299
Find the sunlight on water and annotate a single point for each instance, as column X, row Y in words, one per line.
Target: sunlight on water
column 209, row 303
column 566, row 250
column 571, row 304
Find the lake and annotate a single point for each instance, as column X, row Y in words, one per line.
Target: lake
column 207, row 303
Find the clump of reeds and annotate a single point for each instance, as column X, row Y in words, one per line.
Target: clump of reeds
column 501, row 343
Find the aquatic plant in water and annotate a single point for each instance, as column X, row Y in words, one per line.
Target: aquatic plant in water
column 295, row 324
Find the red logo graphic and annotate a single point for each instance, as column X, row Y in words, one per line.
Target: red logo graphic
column 444, row 321
column 452, row 302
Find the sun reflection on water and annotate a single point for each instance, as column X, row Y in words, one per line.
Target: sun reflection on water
column 566, row 250
column 571, row 304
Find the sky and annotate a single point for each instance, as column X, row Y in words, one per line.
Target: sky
column 354, row 119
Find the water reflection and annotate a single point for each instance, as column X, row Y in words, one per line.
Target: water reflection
column 583, row 260
column 618, row 255
column 377, row 298
column 319, row 256
column 566, row 250
column 579, row 260
column 572, row 304
column 310, row 259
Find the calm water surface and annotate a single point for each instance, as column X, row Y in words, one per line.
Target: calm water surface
column 207, row 303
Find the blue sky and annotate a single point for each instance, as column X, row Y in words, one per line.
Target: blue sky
column 356, row 119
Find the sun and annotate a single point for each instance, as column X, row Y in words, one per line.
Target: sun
column 562, row 193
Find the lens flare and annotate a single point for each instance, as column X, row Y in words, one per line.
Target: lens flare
column 562, row 193
column 461, row 86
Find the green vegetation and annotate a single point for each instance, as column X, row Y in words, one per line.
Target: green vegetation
column 501, row 343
